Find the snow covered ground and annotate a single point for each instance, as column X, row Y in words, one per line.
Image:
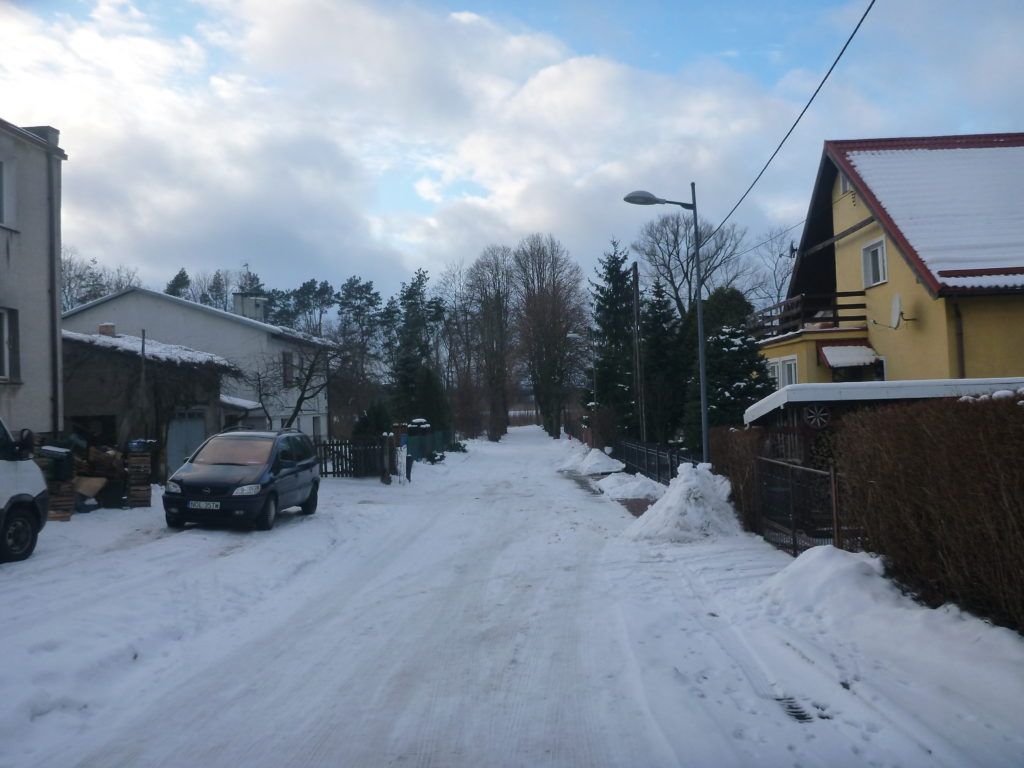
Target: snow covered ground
column 490, row 613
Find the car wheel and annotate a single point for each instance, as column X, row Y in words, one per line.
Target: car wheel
column 309, row 505
column 18, row 535
column 267, row 517
column 173, row 521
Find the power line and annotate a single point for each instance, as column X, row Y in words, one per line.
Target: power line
column 795, row 123
column 765, row 242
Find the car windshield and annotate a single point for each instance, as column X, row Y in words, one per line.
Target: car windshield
column 240, row 451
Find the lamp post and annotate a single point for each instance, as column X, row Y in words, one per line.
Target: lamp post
column 646, row 198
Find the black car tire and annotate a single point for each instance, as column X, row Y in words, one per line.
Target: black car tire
column 267, row 516
column 309, row 505
column 18, row 535
column 173, row 521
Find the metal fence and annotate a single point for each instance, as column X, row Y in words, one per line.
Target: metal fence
column 798, row 507
column 423, row 446
column 658, row 462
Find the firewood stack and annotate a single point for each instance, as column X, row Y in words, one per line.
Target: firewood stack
column 58, row 470
column 140, row 492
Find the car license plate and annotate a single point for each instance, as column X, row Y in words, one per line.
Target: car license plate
column 204, row 505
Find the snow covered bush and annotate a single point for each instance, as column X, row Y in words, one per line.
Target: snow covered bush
column 696, row 506
column 938, row 489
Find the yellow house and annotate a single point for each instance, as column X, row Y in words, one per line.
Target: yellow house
column 911, row 265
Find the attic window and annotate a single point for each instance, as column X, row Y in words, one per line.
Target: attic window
column 844, row 184
column 874, row 262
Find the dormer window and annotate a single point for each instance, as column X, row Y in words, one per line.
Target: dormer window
column 875, row 268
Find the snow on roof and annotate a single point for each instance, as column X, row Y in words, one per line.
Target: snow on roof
column 911, row 389
column 849, row 356
column 239, row 402
column 277, row 330
column 955, row 200
column 155, row 350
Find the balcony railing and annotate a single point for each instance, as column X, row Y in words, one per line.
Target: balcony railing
column 807, row 312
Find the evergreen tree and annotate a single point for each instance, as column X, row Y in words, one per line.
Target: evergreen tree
column 737, row 375
column 665, row 369
column 178, row 284
column 218, row 291
column 415, row 320
column 612, row 377
column 375, row 421
column 249, row 282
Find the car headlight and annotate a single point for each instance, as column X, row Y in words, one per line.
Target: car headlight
column 247, row 490
column 172, row 487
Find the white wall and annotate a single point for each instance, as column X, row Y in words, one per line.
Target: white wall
column 176, row 322
column 25, row 286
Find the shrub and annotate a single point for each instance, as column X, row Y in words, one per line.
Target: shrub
column 938, row 488
column 734, row 454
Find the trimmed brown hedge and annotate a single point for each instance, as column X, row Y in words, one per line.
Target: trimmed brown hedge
column 734, row 454
column 938, row 488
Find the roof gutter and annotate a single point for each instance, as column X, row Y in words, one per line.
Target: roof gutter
column 54, row 267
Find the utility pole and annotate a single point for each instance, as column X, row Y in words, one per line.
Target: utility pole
column 638, row 361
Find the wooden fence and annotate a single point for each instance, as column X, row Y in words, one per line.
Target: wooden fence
column 352, row 458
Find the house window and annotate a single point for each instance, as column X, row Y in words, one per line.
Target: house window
column 844, row 184
column 9, row 357
column 875, row 268
column 287, row 369
column 783, row 371
column 316, row 427
column 7, row 192
column 4, row 353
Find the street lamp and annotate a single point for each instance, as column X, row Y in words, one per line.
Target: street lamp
column 646, row 198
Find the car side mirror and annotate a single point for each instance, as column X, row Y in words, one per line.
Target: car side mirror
column 26, row 445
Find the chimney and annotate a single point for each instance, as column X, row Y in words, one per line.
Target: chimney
column 107, row 329
column 250, row 305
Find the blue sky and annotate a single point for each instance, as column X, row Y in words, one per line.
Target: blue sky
column 324, row 138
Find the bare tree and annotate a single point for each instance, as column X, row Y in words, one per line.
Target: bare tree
column 773, row 267
column 666, row 247
column 294, row 377
column 460, row 341
column 551, row 315
column 491, row 285
column 84, row 280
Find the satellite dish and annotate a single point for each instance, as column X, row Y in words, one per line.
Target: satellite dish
column 897, row 312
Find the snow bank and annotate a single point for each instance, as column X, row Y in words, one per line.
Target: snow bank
column 571, row 463
column 623, row 486
column 695, row 507
column 598, row 463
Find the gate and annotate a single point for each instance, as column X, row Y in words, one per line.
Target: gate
column 799, row 507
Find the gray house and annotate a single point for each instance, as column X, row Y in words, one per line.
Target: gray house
column 30, row 344
column 279, row 366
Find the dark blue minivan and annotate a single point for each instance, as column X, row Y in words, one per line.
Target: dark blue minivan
column 244, row 477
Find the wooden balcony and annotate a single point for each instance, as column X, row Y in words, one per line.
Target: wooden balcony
column 809, row 312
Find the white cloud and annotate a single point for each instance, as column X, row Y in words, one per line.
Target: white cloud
column 266, row 135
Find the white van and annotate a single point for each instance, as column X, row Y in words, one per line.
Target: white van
column 24, row 500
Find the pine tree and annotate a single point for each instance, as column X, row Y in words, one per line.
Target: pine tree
column 737, row 376
column 178, row 284
column 218, row 291
column 612, row 376
column 665, row 368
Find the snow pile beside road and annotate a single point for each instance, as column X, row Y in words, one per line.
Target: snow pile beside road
column 623, row 486
column 572, row 461
column 695, row 507
column 599, row 463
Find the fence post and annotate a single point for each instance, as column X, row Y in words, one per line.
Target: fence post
column 758, row 525
column 837, row 531
column 792, row 513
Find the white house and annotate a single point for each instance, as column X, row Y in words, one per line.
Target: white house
column 271, row 357
column 30, row 343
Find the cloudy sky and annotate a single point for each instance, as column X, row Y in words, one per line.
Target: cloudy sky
column 325, row 138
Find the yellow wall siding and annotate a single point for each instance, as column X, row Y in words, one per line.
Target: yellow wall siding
column 921, row 349
column 993, row 335
column 804, row 347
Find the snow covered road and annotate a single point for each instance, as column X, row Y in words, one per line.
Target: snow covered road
column 490, row 613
